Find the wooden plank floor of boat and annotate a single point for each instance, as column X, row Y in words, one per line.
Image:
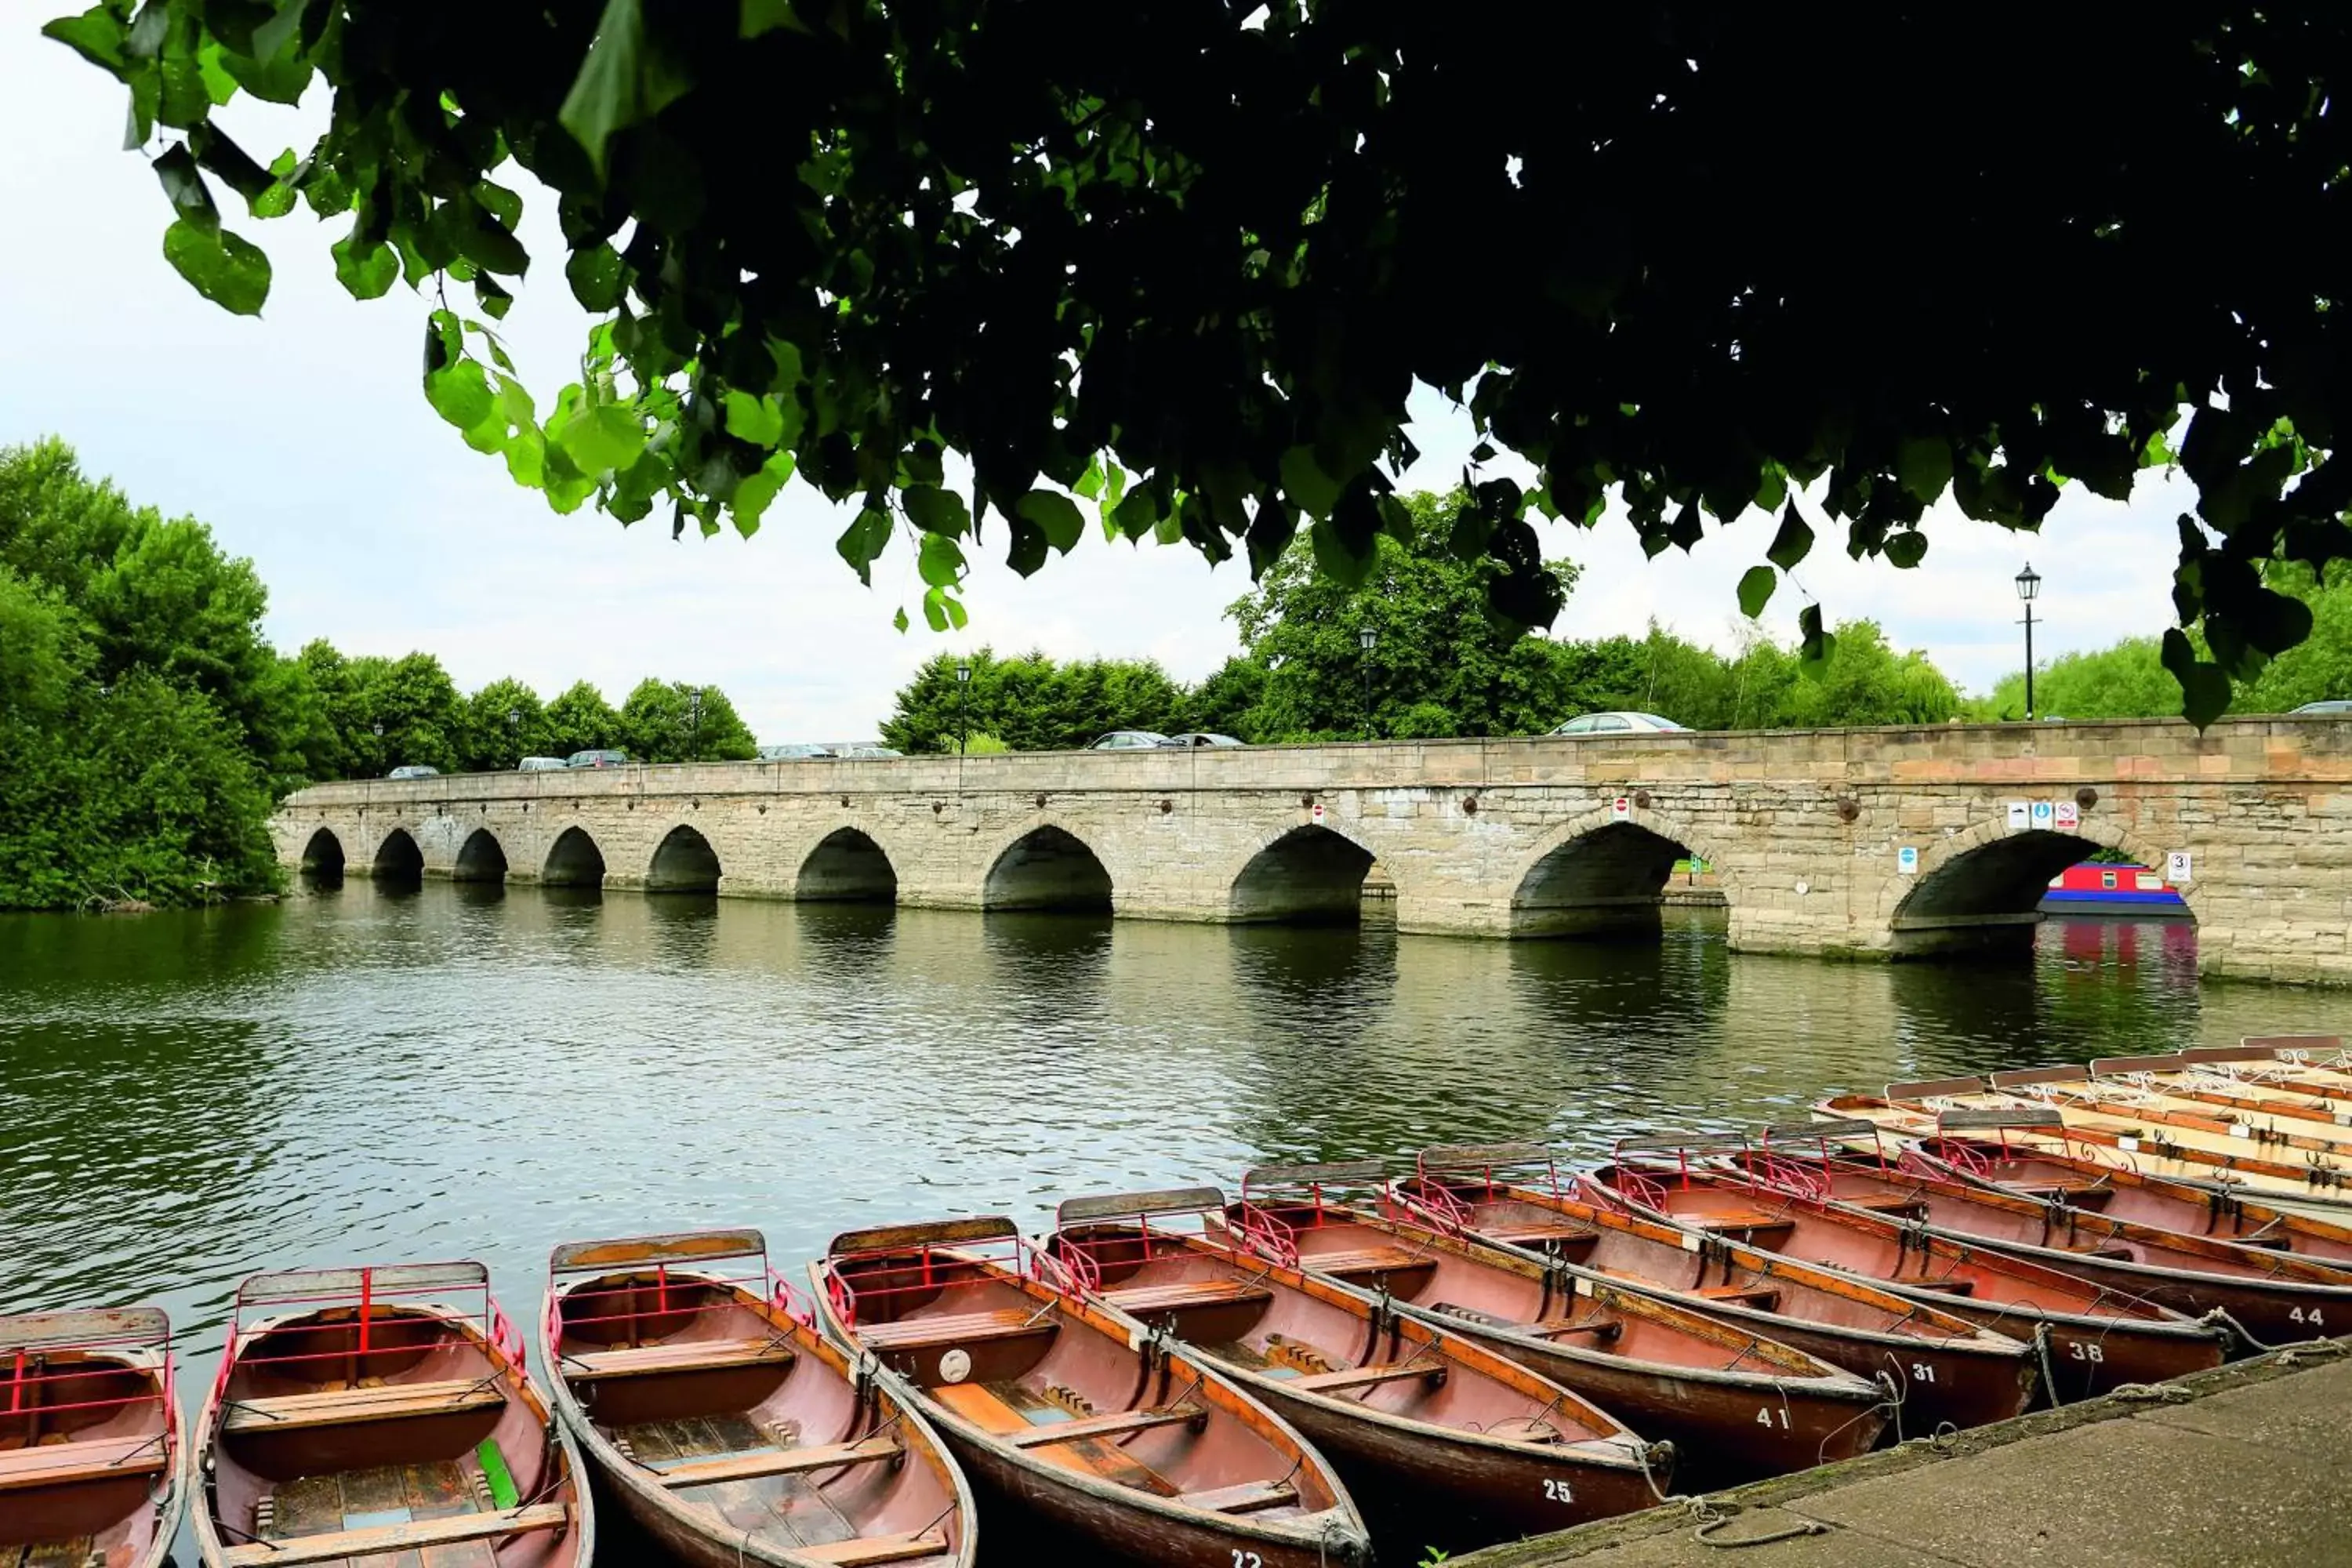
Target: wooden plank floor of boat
column 1010, row 1407
column 783, row 1510
column 389, row 1494
column 73, row 1554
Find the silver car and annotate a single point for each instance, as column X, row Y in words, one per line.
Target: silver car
column 413, row 771
column 1128, row 741
column 2340, row 707
column 1616, row 724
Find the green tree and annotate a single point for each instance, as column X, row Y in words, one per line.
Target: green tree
column 1214, row 248
column 580, row 720
column 1865, row 681
column 1031, row 702
column 1438, row 646
column 1226, row 703
column 505, row 722
column 675, row 722
column 2128, row 680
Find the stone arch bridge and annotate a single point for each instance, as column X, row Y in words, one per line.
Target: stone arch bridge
column 1805, row 831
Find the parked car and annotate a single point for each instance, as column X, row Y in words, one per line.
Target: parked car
column 413, row 771
column 1201, row 738
column 1615, row 724
column 796, row 752
column 542, row 765
column 597, row 760
column 859, row 754
column 1128, row 741
column 2337, row 705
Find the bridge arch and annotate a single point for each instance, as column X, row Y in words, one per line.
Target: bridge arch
column 683, row 862
column 481, row 858
column 1603, row 875
column 1045, row 866
column 846, row 866
column 398, row 860
column 322, row 856
column 1980, row 889
column 1309, row 874
column 574, row 860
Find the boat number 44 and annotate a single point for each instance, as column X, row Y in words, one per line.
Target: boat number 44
column 2297, row 1315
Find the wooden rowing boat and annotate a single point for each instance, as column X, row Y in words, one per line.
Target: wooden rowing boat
column 1735, row 1405
column 1941, row 1366
column 2304, row 1181
column 1139, row 1450
column 1448, row 1445
column 376, row 1419
column 729, row 1428
column 2309, row 1064
column 1981, row 1149
column 92, row 1469
column 2072, row 1084
column 2029, row 1305
column 2176, row 1077
column 2270, row 1296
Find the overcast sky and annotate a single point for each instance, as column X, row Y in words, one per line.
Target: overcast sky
column 303, row 439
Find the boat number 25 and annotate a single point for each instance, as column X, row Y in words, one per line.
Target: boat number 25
column 1557, row 1491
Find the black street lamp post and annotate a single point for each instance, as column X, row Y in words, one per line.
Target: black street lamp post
column 2029, row 584
column 514, row 731
column 694, row 724
column 963, row 684
column 1367, row 639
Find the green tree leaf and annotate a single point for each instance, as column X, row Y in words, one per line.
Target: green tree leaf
column 766, row 16
column 1923, row 465
column 1819, row 645
column 1793, row 544
column 1756, row 589
column 753, row 495
column 367, row 273
column 230, row 272
column 2204, row 688
column 1905, row 548
column 935, row 511
column 96, row 35
column 1311, row 489
column 1056, row 515
column 939, row 562
column 460, row 393
column 603, row 439
column 625, row 81
column 183, row 186
column 863, row 541
column 754, row 419
column 596, row 275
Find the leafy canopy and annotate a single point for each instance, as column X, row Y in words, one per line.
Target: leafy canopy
column 1183, row 262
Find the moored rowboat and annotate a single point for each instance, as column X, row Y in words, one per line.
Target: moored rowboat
column 1448, row 1445
column 375, row 1417
column 1735, row 1404
column 1138, row 1448
column 730, row 1430
column 90, row 1461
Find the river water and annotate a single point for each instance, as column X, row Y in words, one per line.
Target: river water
column 376, row 1075
column 188, row 1098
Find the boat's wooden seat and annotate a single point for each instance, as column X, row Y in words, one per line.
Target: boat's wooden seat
column 1249, row 1497
column 391, row 1541
column 1763, row 1298
column 353, row 1406
column 682, row 1355
column 1367, row 1261
column 779, row 1462
column 1567, row 1235
column 1341, row 1382
column 1116, row 1424
column 1180, row 1293
column 1542, row 1329
column 91, row 1459
column 955, row 1329
column 1754, row 1225
column 910, row 1547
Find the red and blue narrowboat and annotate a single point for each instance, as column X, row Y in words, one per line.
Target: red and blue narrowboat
column 2113, row 891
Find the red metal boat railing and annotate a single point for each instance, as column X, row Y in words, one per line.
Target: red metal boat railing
column 936, row 1255
column 1270, row 1234
column 378, row 1296
column 1488, row 1170
column 29, row 1344
column 685, row 1263
column 1140, row 1241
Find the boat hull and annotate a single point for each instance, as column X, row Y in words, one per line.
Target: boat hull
column 1424, row 1486
column 1726, row 1427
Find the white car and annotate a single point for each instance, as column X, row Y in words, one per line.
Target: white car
column 1616, row 724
